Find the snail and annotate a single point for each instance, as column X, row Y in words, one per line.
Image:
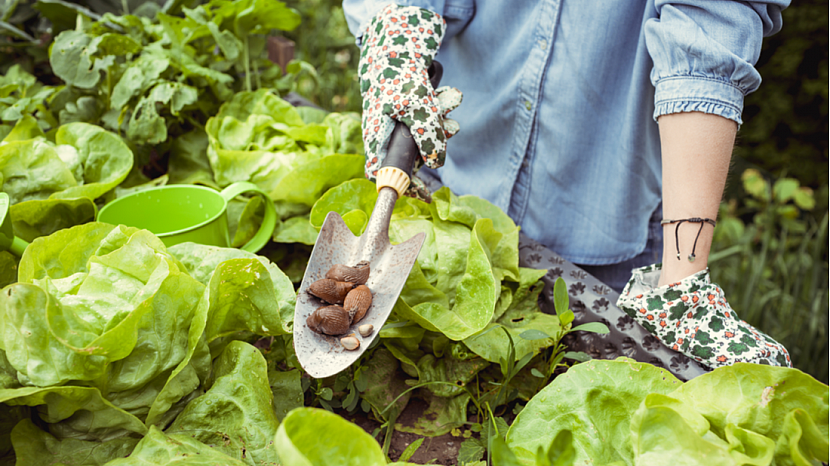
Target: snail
column 331, row 320
column 343, row 273
column 330, row 291
column 357, row 302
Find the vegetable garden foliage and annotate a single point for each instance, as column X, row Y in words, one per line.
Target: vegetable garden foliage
column 117, row 350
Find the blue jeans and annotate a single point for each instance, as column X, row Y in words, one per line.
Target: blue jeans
column 616, row 275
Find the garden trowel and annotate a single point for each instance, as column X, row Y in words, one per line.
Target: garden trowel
column 389, row 265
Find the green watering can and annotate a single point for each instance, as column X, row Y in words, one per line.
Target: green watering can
column 174, row 213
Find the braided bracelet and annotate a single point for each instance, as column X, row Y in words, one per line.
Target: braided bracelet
column 699, row 220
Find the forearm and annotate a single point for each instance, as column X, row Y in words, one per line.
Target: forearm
column 697, row 148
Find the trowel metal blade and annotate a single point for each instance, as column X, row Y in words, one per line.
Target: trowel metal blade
column 389, row 266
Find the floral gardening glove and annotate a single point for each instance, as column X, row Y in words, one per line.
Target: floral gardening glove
column 399, row 45
column 693, row 317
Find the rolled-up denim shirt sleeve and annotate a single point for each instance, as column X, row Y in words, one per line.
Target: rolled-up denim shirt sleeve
column 704, row 53
column 360, row 12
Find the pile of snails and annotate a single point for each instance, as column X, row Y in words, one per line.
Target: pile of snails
column 344, row 288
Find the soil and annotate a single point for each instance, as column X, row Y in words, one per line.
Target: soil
column 441, row 450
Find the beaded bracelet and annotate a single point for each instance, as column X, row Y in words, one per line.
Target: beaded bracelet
column 702, row 221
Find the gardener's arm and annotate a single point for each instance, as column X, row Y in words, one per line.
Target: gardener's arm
column 697, row 148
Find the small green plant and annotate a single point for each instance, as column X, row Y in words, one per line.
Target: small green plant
column 770, row 257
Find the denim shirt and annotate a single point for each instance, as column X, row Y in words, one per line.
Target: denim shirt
column 561, row 98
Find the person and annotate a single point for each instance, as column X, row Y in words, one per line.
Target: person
column 592, row 124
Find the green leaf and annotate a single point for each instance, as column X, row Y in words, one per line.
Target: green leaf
column 441, row 415
column 533, row 334
column 536, row 373
column 383, row 385
column 784, row 189
column 33, row 446
column 308, row 181
column 560, row 297
column 295, row 230
column 243, row 296
column 411, row 449
column 755, row 184
column 593, row 400
column 578, row 356
column 502, row 455
column 8, row 273
column 299, row 442
column 137, row 78
column 102, row 157
column 595, row 327
column 261, row 16
column 236, row 413
column 36, row 218
column 561, row 451
column 759, row 399
column 146, row 125
column 160, row 449
column 804, row 198
column 471, row 450
column 189, row 163
column 73, row 59
column 33, row 169
column 523, row 315
column 354, row 195
column 26, row 128
column 227, row 42
column 58, row 404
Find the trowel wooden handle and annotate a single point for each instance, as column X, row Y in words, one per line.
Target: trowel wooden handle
column 396, row 170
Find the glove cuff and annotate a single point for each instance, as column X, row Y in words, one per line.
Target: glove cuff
column 693, row 317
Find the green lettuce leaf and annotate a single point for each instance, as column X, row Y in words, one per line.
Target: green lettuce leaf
column 91, row 416
column 595, row 401
column 159, row 449
column 743, row 413
column 34, row 447
column 270, row 295
column 354, row 200
column 295, row 230
column 316, row 437
column 237, row 412
column 308, row 181
column 521, row 315
column 36, row 218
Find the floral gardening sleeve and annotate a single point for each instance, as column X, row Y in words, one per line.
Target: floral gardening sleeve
column 693, row 317
column 398, row 47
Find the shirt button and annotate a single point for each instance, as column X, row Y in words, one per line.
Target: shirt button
column 528, row 105
column 543, row 44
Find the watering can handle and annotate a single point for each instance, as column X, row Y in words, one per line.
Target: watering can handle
column 269, row 222
column 396, row 170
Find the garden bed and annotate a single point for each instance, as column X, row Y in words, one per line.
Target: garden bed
column 115, row 348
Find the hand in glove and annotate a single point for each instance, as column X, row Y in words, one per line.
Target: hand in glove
column 693, row 317
column 398, row 47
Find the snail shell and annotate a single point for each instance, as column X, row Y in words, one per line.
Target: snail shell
column 350, row 343
column 331, row 320
column 343, row 273
column 330, row 291
column 357, row 302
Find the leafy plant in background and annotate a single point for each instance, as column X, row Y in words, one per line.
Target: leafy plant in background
column 771, row 258
column 325, row 41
